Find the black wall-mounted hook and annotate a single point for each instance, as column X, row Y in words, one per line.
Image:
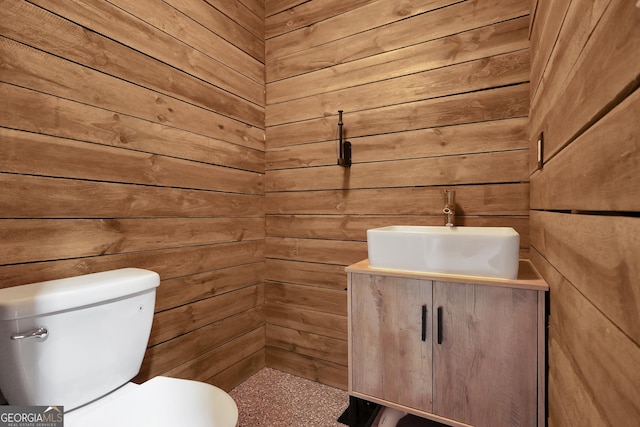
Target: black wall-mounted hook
column 344, row 147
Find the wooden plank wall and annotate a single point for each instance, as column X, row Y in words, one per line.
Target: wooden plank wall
column 132, row 135
column 436, row 96
column 585, row 222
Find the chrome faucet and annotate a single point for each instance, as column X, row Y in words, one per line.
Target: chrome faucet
column 449, row 207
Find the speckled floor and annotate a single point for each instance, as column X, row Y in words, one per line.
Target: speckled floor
column 272, row 398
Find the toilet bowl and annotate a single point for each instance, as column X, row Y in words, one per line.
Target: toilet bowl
column 159, row 402
column 78, row 342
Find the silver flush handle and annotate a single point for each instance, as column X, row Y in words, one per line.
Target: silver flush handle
column 34, row 333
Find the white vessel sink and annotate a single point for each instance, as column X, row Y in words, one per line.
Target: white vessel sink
column 470, row 251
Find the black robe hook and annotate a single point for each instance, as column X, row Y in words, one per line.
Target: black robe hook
column 344, row 147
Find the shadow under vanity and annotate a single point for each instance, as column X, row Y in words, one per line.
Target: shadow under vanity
column 459, row 350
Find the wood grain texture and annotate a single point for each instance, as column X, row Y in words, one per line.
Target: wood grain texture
column 499, row 70
column 300, row 15
column 301, row 319
column 597, row 360
column 584, row 200
column 65, row 238
column 308, row 297
column 69, row 80
column 162, row 357
column 347, row 23
column 488, row 355
column 469, row 45
column 312, row 345
column 421, row 28
column 603, row 161
column 390, row 359
column 78, row 45
column 435, row 95
column 304, row 366
column 187, row 289
column 506, row 166
column 600, row 256
column 489, row 199
column 28, row 110
column 44, row 197
column 239, row 372
column 493, row 104
column 132, row 135
column 105, row 18
column 234, row 33
column 35, row 154
column 355, row 227
column 604, row 63
column 485, row 328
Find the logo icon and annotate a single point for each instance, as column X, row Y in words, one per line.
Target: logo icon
column 31, row 416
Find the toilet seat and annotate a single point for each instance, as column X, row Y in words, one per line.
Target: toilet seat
column 159, row 402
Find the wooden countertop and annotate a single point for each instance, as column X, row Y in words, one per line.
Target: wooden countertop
column 528, row 276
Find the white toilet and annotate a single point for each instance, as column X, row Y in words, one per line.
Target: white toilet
column 77, row 343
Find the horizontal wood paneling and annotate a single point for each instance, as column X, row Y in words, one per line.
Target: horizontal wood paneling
column 584, row 222
column 505, row 166
column 317, row 346
column 28, row 110
column 35, row 154
column 310, row 297
column 105, row 18
column 117, row 60
column 210, row 364
column 236, row 36
column 601, row 372
column 238, row 13
column 171, row 323
column 71, row 238
column 347, row 23
column 584, row 175
column 487, row 105
column 481, row 137
column 168, row 263
column 316, row 250
column 507, row 36
column 26, row 196
column 163, row 356
column 92, row 87
column 272, row 7
column 590, row 251
column 237, row 373
column 308, row 367
column 187, row 289
column 310, row 273
column 302, row 319
column 432, row 101
column 439, row 23
column 132, row 135
column 603, row 60
column 499, row 70
column 299, row 14
column 490, row 199
column 340, row 227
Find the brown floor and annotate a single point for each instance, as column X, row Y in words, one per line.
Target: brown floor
column 272, row 398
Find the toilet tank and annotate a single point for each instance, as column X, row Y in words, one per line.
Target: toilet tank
column 97, row 328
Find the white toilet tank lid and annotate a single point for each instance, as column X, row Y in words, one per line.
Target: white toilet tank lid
column 52, row 296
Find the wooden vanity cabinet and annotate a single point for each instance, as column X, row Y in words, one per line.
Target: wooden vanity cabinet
column 457, row 352
column 390, row 351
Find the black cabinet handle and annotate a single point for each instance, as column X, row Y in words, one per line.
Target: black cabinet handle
column 439, row 325
column 424, row 323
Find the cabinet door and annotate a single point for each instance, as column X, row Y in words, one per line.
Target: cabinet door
column 390, row 352
column 485, row 368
